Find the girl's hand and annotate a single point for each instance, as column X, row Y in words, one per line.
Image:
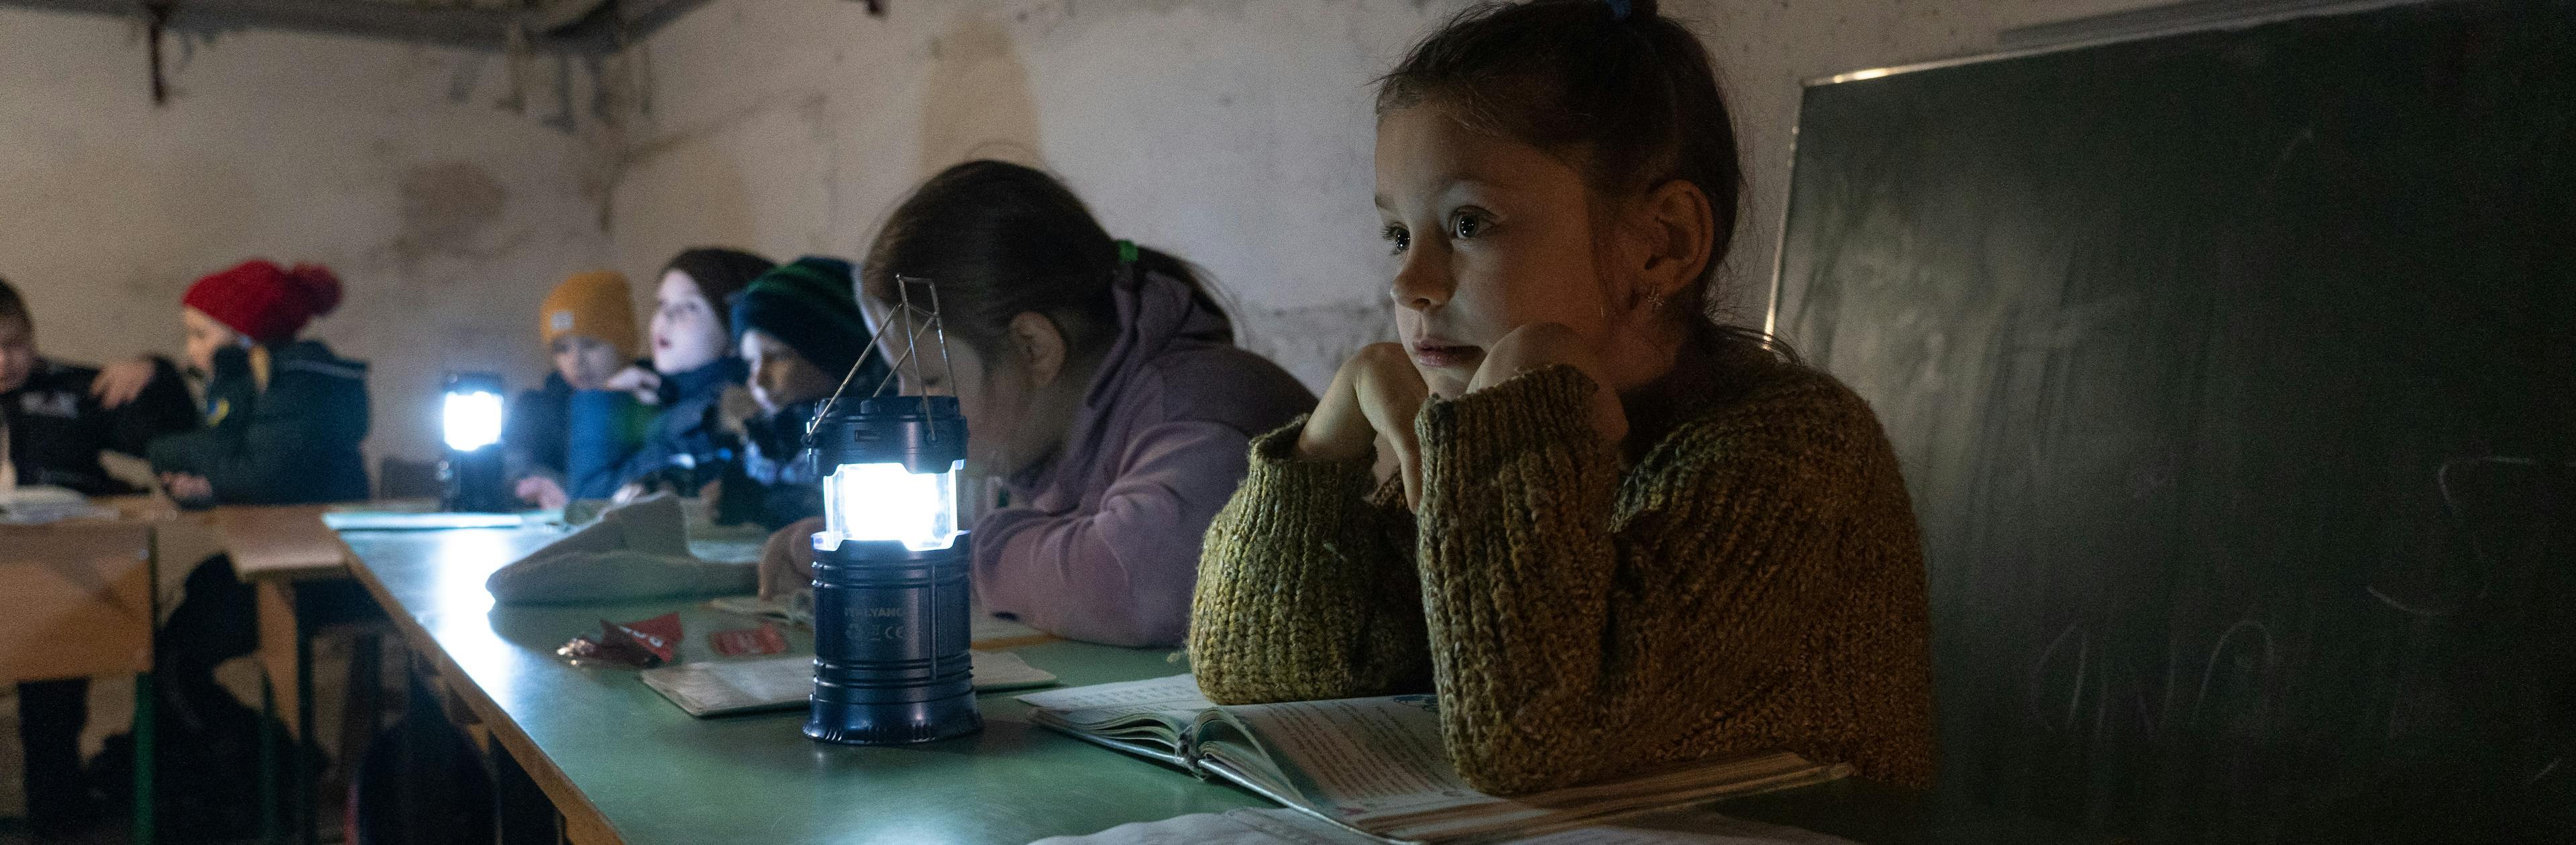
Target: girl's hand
column 645, row 384
column 1373, row 400
column 187, row 486
column 543, row 492
column 121, row 382
column 787, row 560
column 1540, row 345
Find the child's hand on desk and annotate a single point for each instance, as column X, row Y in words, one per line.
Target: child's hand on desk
column 187, row 486
column 787, row 560
column 121, row 382
column 1372, row 401
column 542, row 491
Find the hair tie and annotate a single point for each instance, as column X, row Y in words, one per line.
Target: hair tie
column 1126, row 251
column 1619, row 9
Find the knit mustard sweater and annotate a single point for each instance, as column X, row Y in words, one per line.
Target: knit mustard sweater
column 1753, row 581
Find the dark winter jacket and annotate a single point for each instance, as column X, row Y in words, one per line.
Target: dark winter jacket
column 580, row 438
column 57, row 430
column 777, row 485
column 689, row 443
column 293, row 443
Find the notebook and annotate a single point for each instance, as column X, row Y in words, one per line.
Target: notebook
column 1376, row 766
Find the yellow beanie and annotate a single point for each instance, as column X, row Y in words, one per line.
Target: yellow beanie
column 593, row 304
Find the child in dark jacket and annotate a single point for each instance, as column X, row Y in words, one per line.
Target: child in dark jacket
column 284, row 417
column 800, row 331
column 569, row 439
column 691, row 444
column 55, row 426
column 58, row 423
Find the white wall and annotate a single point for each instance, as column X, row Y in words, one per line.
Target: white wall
column 1236, row 133
column 446, row 216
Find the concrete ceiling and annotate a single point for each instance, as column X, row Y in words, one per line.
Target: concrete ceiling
column 582, row 26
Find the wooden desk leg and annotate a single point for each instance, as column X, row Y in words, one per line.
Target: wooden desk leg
column 286, row 659
column 146, row 745
column 271, row 831
column 277, row 649
column 307, row 805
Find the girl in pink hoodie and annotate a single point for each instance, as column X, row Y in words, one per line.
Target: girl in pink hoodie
column 1101, row 386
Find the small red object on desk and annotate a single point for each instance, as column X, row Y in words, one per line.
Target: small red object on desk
column 643, row 644
column 742, row 642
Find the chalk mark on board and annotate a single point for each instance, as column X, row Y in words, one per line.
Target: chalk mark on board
column 2040, row 668
column 2545, row 770
column 2152, row 716
column 2411, row 610
column 2306, row 136
column 2209, row 671
column 2477, row 548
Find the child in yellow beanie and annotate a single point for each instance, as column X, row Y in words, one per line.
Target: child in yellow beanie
column 566, row 440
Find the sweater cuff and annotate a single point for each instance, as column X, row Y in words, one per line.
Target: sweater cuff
column 1545, row 408
column 1301, row 488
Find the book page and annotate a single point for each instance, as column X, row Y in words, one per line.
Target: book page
column 1361, row 757
column 1174, row 700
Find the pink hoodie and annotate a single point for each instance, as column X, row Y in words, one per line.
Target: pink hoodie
column 1102, row 540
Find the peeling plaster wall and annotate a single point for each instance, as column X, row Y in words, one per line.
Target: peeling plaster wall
column 1236, row 133
column 447, row 217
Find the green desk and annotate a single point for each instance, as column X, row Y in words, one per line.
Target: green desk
column 621, row 764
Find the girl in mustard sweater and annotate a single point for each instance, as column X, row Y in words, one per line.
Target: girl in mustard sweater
column 1609, row 532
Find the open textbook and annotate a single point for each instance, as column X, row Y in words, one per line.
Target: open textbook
column 1376, row 765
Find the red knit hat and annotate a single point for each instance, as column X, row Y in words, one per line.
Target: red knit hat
column 264, row 302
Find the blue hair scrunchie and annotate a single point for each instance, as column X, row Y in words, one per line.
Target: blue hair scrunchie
column 1619, row 9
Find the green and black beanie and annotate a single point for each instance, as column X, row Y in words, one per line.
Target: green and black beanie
column 808, row 305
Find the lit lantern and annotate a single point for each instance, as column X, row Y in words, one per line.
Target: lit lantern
column 471, row 419
column 890, row 576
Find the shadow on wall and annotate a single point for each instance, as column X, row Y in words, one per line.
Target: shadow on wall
column 444, row 205
column 696, row 196
column 976, row 103
column 1312, row 342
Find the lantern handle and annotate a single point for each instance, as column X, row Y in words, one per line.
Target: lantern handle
column 915, row 320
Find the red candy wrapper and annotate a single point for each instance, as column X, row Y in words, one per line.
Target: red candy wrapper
column 743, row 642
column 642, row 644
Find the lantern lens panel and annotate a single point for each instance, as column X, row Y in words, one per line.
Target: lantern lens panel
column 472, row 420
column 885, row 502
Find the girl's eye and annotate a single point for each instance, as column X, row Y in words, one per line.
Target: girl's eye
column 1399, row 237
column 1467, row 226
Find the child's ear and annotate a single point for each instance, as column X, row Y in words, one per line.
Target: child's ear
column 1675, row 228
column 1040, row 346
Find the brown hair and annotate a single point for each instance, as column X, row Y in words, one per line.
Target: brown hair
column 720, row 274
column 12, row 307
column 1000, row 240
column 1622, row 93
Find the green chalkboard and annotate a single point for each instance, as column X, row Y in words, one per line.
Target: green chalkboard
column 2234, row 374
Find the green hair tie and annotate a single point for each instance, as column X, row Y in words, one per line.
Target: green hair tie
column 1126, row 251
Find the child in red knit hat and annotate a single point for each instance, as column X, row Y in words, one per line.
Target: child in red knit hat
column 284, row 416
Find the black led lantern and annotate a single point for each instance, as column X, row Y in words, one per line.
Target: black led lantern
column 470, row 418
column 891, row 662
